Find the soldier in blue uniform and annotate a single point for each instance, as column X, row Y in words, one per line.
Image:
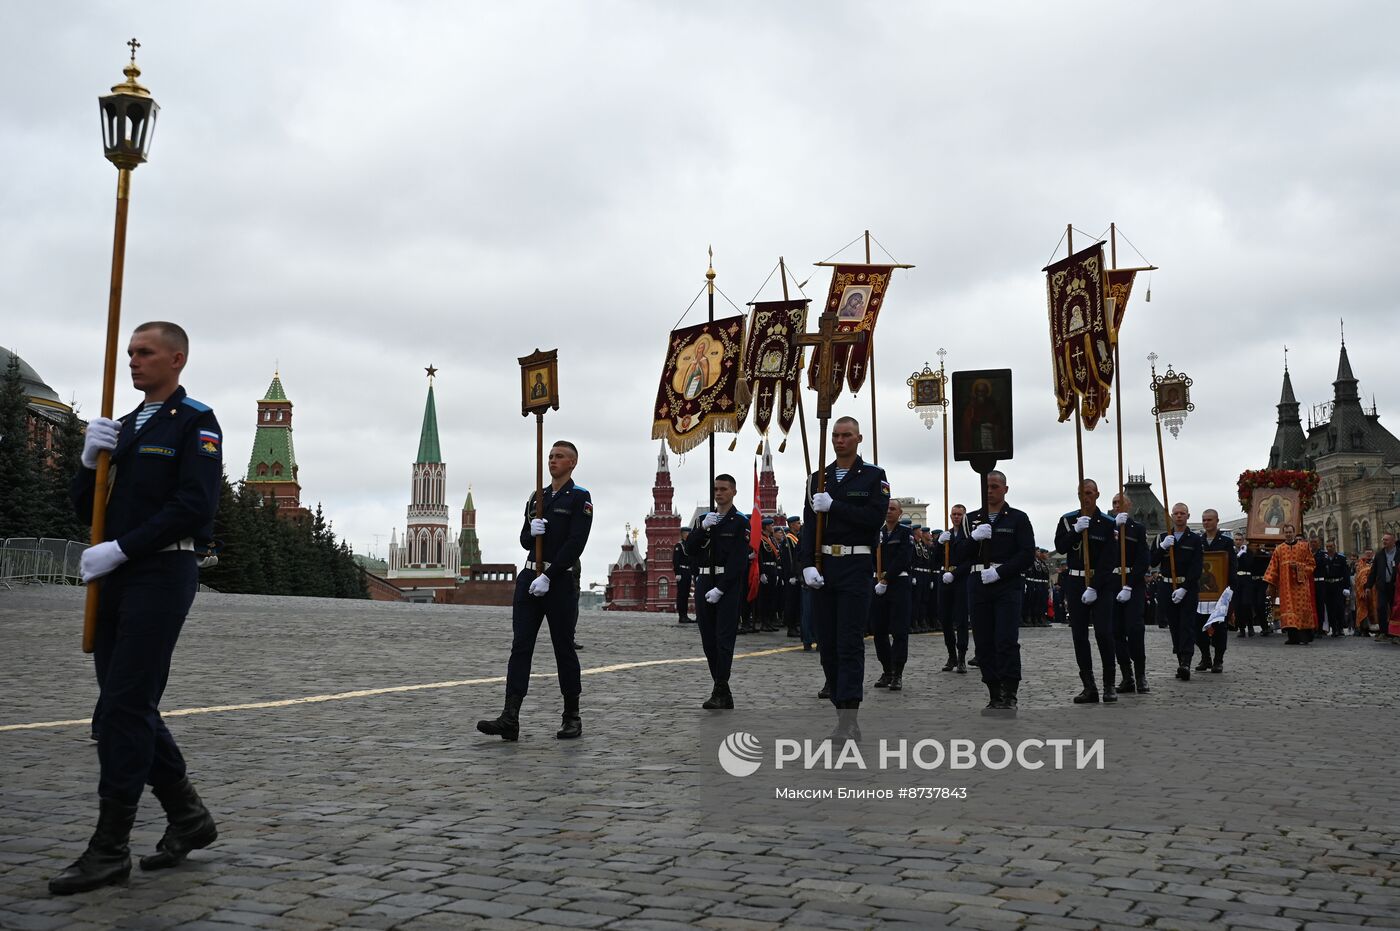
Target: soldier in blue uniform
column 1250, row 565
column 719, row 549
column 681, row 562
column 1005, row 549
column 953, row 585
column 856, row 498
column 1081, row 582
column 548, row 592
column 166, row 475
column 890, row 608
column 1129, row 594
column 1178, row 609
column 1336, row 581
column 919, row 574
column 1212, row 540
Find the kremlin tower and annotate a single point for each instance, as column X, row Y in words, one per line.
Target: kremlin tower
column 272, row 466
column 428, row 559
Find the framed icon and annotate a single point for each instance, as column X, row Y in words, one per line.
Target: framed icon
column 982, row 415
column 539, row 382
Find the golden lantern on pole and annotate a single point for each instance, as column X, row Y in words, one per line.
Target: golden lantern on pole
column 128, row 122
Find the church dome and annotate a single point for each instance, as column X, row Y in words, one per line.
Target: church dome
column 34, row 387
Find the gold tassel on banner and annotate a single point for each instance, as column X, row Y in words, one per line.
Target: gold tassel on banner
column 759, row 450
column 733, row 443
column 782, row 447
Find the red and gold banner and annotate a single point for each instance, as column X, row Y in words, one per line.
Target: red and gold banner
column 701, row 391
column 1117, row 285
column 1081, row 344
column 857, row 292
column 773, row 360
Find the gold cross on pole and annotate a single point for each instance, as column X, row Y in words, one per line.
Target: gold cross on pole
column 825, row 340
column 134, row 45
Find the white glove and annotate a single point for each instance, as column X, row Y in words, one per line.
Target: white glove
column 100, row 560
column 812, row 577
column 711, row 519
column 763, row 577
column 538, row 527
column 947, row 578
column 821, row 502
column 1346, row 593
column 1121, row 519
column 713, row 596
column 792, row 581
column 881, row 588
column 945, row 537
column 1082, row 524
column 1168, row 542
column 540, row 586
column 101, row 434
column 1125, row 593
column 989, row 576
column 1178, row 594
column 1090, row 596
column 983, row 532
column 209, row 562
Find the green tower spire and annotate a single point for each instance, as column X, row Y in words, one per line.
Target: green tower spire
column 428, row 448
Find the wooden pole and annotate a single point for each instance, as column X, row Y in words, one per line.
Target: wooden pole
column 1162, row 462
column 539, row 489
column 947, row 412
column 109, row 386
column 1079, row 450
column 1118, row 421
column 821, row 486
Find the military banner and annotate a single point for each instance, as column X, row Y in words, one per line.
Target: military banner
column 773, row 360
column 856, row 295
column 701, row 391
column 1080, row 339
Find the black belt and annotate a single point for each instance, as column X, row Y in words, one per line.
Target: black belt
column 718, row 570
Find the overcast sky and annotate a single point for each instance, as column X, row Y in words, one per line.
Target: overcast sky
column 353, row 191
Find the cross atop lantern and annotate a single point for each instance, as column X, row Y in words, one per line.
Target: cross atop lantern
column 128, row 118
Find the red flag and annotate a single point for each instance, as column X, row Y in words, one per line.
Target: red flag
column 755, row 538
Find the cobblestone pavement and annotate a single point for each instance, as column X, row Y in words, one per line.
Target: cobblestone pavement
column 388, row 810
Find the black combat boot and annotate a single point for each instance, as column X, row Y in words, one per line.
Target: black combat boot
column 1110, row 694
column 1126, row 685
column 1008, row 695
column 1204, row 664
column 715, row 702
column 884, row 681
column 507, row 726
column 1292, row 634
column 1140, row 675
column 1219, row 664
column 825, row 693
column 1183, row 667
column 847, row 725
column 952, row 662
column 572, row 725
column 1090, row 695
column 962, row 662
column 189, row 826
column 107, row 859
column 995, row 702
column 897, row 680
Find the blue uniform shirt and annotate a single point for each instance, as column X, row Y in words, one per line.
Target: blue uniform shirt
column 569, row 513
column 1012, row 544
column 858, row 506
column 1189, row 547
column 165, row 478
column 723, row 546
column 896, row 551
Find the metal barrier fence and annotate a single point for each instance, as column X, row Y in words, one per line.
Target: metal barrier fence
column 48, row 560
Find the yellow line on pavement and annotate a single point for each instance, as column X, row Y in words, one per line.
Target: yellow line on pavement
column 392, row 690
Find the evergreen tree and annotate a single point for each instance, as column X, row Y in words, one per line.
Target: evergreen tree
column 57, row 473
column 19, row 478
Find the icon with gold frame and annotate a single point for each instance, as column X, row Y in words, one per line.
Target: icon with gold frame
column 1215, row 575
column 539, row 382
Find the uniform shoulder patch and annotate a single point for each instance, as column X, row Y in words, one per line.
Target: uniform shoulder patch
column 199, row 406
column 588, row 508
column 210, row 444
column 884, row 487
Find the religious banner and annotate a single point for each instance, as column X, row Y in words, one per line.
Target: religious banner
column 1080, row 340
column 701, row 391
column 856, row 295
column 773, row 360
column 1117, row 285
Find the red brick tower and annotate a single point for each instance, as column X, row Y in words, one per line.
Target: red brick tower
column 663, row 533
column 767, row 484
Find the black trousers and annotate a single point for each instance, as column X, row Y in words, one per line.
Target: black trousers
column 558, row 606
column 996, row 628
column 1181, row 618
column 1218, row 636
column 1098, row 615
column 140, row 615
column 1336, row 609
column 953, row 599
column 719, row 625
column 1129, row 628
column 840, row 609
column 1248, row 616
column 889, row 620
column 682, row 596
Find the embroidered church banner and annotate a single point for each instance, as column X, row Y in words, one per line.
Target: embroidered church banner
column 1080, row 342
column 773, row 360
column 701, row 390
column 1117, row 285
column 856, row 295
